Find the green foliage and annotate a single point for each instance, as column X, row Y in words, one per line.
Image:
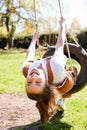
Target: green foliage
column 3, row 32
column 70, row 39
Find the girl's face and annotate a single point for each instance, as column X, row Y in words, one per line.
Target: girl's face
column 35, row 81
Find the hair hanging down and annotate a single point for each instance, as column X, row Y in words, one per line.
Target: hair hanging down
column 44, row 96
column 45, row 102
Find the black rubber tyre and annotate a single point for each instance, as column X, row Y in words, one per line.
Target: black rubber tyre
column 80, row 55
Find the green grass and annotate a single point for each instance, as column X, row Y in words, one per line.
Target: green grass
column 11, row 78
column 12, row 81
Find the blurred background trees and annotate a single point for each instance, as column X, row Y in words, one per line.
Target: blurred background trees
column 17, row 24
column 13, row 12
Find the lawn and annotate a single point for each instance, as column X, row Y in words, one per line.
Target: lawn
column 12, row 81
column 11, row 78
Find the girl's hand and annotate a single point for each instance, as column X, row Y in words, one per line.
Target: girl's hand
column 36, row 36
column 62, row 20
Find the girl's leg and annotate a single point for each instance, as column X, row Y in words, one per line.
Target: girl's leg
column 61, row 37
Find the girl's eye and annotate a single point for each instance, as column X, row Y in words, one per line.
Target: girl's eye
column 38, row 83
column 29, row 83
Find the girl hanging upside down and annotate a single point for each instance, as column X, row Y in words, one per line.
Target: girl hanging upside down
column 47, row 80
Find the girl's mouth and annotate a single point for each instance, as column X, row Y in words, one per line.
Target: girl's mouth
column 34, row 71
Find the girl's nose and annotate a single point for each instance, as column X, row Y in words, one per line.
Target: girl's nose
column 33, row 79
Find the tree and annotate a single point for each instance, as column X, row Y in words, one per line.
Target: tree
column 74, row 30
column 75, row 27
column 12, row 11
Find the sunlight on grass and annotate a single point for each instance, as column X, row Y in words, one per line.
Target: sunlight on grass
column 11, row 78
column 10, row 73
column 12, row 81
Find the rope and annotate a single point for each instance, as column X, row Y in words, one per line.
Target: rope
column 66, row 38
column 69, row 30
column 36, row 25
column 73, row 37
column 60, row 8
column 49, row 12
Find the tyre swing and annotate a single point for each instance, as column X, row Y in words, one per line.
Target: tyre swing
column 80, row 55
column 76, row 52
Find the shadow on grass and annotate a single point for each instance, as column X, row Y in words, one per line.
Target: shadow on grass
column 33, row 126
column 54, row 124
